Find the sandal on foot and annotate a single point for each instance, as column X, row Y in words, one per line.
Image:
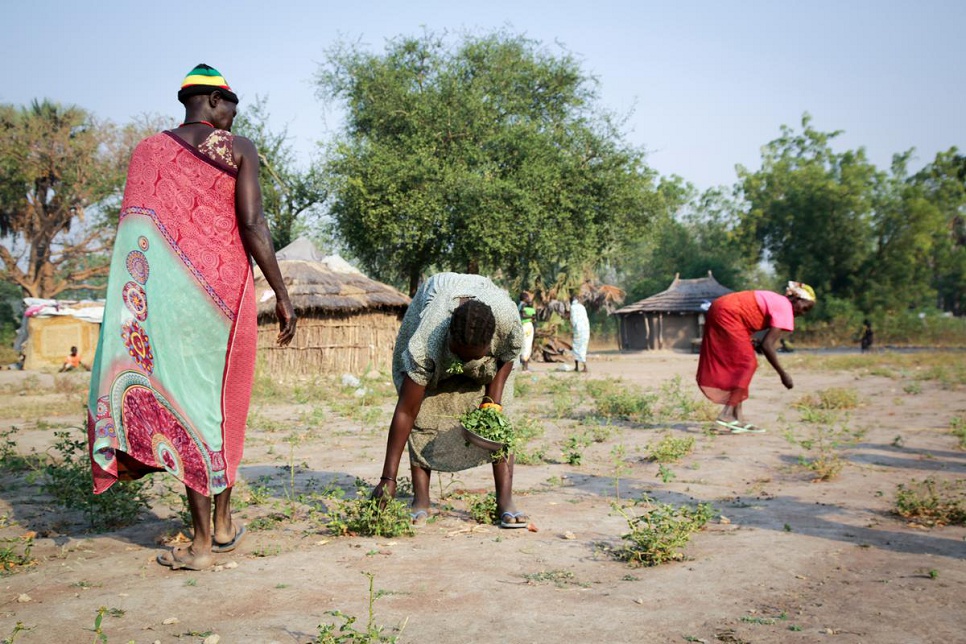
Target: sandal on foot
column 419, row 517
column 169, row 559
column 750, row 428
column 728, row 425
column 231, row 545
column 512, row 520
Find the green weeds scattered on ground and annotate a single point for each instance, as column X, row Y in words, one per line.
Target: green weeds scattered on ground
column 957, row 426
column 670, row 449
column 913, row 388
column 69, row 481
column 920, row 365
column 665, row 474
column 16, row 555
column 831, row 398
column 11, row 460
column 98, row 630
column 18, row 628
column 347, row 633
column 657, row 535
column 676, row 402
column 482, row 508
column 828, row 432
column 363, row 516
column 931, row 502
column 559, row 578
column 623, row 402
column 573, row 451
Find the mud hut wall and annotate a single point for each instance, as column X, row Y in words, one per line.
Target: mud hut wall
column 49, row 340
column 679, row 330
column 332, row 343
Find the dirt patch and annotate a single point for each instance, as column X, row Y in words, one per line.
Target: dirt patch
column 785, row 560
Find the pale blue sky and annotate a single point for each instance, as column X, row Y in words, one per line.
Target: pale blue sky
column 710, row 82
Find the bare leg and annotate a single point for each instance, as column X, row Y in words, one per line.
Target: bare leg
column 420, row 488
column 503, row 481
column 196, row 556
column 224, row 529
column 729, row 413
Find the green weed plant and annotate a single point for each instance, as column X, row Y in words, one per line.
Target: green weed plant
column 670, row 449
column 482, row 508
column 15, row 556
column 931, row 502
column 347, row 633
column 69, row 481
column 362, row 516
column 958, row 427
column 656, row 536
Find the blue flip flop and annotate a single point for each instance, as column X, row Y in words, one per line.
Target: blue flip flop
column 748, row 429
column 231, row 545
column 419, row 517
column 512, row 523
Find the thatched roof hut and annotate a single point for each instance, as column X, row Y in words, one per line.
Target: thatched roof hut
column 347, row 322
column 671, row 319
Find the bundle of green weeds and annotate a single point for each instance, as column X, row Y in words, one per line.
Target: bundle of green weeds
column 491, row 424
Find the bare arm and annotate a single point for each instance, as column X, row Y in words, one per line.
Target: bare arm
column 407, row 408
column 494, row 390
column 768, row 344
column 256, row 236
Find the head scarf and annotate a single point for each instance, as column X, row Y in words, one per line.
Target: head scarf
column 204, row 79
column 800, row 290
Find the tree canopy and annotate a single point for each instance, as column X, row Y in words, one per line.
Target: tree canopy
column 56, row 162
column 290, row 196
column 489, row 155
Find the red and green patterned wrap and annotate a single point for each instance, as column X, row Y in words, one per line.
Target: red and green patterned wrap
column 172, row 377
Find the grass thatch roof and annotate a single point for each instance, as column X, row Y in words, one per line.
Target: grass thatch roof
column 682, row 296
column 327, row 286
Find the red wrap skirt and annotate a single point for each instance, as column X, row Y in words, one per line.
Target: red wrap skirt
column 728, row 361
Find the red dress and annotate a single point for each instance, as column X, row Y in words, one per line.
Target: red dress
column 728, row 362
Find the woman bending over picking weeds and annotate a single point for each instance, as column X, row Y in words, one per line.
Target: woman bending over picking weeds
column 728, row 361
column 455, row 349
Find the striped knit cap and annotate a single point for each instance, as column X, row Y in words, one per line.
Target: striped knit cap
column 204, row 79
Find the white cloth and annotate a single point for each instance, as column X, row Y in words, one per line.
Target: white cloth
column 581, row 326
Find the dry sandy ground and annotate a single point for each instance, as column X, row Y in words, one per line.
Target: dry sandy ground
column 791, row 560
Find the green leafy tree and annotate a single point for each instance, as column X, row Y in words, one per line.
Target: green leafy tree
column 942, row 184
column 693, row 234
column 58, row 167
column 810, row 209
column 898, row 272
column 488, row 156
column 291, row 197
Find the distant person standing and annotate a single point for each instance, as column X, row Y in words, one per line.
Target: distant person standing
column 527, row 313
column 865, row 341
column 581, row 328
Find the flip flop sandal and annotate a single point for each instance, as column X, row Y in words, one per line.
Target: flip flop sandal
column 231, row 545
column 748, row 429
column 419, row 517
column 512, row 523
column 728, row 426
column 169, row 559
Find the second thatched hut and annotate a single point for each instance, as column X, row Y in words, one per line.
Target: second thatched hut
column 671, row 319
column 347, row 322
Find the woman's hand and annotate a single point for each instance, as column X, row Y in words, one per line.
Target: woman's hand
column 285, row 313
column 386, row 489
column 786, row 380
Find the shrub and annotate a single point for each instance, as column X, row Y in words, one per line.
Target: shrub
column 363, row 516
column 483, row 508
column 931, row 502
column 656, row 536
column 670, row 449
column 70, row 481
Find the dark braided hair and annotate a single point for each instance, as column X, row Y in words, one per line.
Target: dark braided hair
column 472, row 325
